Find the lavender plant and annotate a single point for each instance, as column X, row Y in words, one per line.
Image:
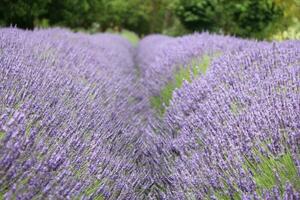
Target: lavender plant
column 63, row 97
column 173, row 61
column 236, row 129
column 186, row 73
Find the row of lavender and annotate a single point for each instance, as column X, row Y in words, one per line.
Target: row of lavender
column 234, row 132
column 70, row 117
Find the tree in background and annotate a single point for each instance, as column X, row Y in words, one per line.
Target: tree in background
column 248, row 18
column 70, row 13
column 289, row 26
column 120, row 14
column 24, row 14
column 141, row 16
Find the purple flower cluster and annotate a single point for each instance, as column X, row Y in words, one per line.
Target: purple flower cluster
column 148, row 48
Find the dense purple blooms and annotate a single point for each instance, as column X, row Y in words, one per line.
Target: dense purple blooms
column 65, row 99
column 164, row 55
column 149, row 48
column 247, row 105
column 76, row 122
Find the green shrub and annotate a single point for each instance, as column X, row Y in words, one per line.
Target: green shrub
column 249, row 18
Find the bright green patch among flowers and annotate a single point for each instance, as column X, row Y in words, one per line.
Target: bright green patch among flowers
column 274, row 171
column 130, row 36
column 92, row 189
column 192, row 69
column 268, row 173
column 1, row 195
column 2, row 135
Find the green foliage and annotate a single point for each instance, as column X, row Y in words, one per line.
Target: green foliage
column 267, row 173
column 221, row 196
column 144, row 17
column 289, row 26
column 2, row 135
column 118, row 14
column 3, row 190
column 292, row 32
column 175, row 29
column 22, row 13
column 193, row 69
column 92, row 189
column 273, row 171
column 73, row 13
column 249, row 18
column 130, row 36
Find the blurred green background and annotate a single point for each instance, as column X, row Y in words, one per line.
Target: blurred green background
column 260, row 19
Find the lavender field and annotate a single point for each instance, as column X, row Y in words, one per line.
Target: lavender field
column 200, row 116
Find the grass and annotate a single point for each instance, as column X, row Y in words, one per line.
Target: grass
column 92, row 189
column 192, row 69
column 2, row 135
column 274, row 171
column 222, row 196
column 236, row 107
column 2, row 195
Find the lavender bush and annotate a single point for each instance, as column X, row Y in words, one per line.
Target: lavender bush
column 167, row 62
column 64, row 99
column 237, row 129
